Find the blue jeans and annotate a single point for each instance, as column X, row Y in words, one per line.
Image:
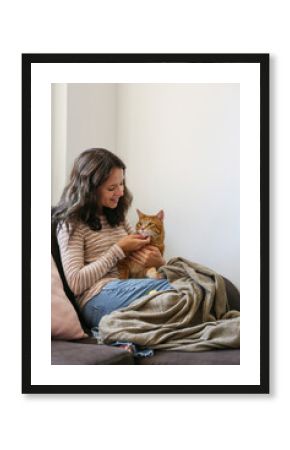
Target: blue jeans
column 118, row 294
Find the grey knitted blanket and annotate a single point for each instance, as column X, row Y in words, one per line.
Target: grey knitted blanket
column 195, row 316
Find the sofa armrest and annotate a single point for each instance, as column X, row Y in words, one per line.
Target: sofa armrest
column 233, row 295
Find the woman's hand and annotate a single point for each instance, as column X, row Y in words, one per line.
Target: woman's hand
column 132, row 242
column 148, row 256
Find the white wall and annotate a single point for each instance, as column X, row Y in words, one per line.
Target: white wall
column 91, row 118
column 181, row 147
column 58, row 139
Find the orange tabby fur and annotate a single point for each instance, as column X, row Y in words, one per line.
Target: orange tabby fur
column 147, row 226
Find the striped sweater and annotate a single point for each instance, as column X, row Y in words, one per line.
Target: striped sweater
column 89, row 258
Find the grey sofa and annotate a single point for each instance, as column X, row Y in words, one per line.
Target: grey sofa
column 87, row 352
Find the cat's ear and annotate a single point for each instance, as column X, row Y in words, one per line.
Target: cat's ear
column 140, row 214
column 160, row 215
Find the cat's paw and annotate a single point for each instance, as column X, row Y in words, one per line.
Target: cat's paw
column 152, row 273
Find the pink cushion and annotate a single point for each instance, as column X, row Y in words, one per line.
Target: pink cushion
column 65, row 323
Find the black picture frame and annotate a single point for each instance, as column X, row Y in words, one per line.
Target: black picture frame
column 247, row 58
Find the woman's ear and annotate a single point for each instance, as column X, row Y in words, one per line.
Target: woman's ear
column 160, row 215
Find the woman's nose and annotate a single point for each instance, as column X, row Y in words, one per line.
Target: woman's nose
column 120, row 191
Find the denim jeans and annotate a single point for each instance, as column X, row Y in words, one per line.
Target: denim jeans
column 118, row 294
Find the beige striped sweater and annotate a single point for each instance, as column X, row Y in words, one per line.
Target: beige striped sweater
column 90, row 257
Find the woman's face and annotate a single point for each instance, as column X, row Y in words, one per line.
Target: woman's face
column 112, row 189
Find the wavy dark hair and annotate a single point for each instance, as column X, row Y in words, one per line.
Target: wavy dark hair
column 79, row 200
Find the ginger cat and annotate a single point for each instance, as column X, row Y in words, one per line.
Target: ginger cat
column 146, row 226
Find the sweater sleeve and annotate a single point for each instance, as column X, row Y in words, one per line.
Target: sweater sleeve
column 129, row 228
column 81, row 276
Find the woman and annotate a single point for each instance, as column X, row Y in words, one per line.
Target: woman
column 94, row 234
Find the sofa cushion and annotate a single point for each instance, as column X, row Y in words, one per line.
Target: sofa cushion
column 64, row 319
column 212, row 357
column 81, row 353
column 57, row 259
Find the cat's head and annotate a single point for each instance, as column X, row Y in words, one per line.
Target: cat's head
column 150, row 225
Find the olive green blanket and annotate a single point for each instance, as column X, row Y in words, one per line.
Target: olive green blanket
column 195, row 316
